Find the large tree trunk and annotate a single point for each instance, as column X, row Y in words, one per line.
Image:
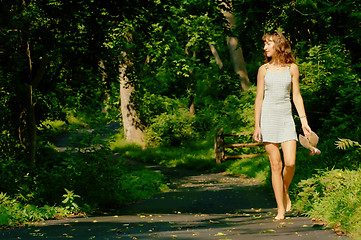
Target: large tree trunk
column 235, row 51
column 132, row 130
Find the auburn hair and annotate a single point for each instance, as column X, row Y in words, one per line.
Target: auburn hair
column 283, row 53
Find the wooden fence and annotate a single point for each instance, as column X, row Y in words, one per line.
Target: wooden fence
column 220, row 145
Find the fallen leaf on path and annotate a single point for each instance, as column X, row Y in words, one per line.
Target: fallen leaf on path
column 339, row 233
column 220, row 234
column 211, row 221
column 269, row 231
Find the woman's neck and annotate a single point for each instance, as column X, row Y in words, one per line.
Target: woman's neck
column 276, row 63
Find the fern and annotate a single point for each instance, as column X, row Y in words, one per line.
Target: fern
column 344, row 144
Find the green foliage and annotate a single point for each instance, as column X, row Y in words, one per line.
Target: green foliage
column 89, row 169
column 234, row 114
column 69, row 201
column 141, row 184
column 196, row 155
column 333, row 196
column 13, row 212
column 347, row 143
column 100, row 179
column 332, row 95
column 257, row 168
column 166, row 48
column 171, row 129
column 333, row 88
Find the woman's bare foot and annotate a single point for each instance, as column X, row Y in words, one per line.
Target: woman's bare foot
column 288, row 202
column 280, row 215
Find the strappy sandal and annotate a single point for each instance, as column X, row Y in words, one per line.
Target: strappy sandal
column 310, row 143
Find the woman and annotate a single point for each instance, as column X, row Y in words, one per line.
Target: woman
column 274, row 124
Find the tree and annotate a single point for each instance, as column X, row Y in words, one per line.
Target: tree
column 235, row 50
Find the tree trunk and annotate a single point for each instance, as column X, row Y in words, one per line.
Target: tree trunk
column 132, row 130
column 191, row 86
column 105, row 97
column 216, row 56
column 30, row 123
column 235, row 51
column 239, row 65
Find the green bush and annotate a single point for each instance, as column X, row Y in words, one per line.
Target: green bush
column 172, row 129
column 99, row 178
column 332, row 91
column 233, row 114
column 334, row 197
column 13, row 212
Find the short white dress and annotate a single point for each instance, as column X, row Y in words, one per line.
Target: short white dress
column 277, row 124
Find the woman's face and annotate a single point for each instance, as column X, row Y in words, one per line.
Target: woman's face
column 269, row 48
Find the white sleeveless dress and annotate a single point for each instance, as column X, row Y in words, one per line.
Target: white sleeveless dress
column 277, row 124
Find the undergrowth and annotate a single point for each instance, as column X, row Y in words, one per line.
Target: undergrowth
column 14, row 213
column 334, row 197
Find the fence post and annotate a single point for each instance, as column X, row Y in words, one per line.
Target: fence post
column 219, row 146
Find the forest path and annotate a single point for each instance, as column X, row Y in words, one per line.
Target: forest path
column 202, row 206
column 198, row 206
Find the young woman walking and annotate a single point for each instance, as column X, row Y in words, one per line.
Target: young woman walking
column 274, row 124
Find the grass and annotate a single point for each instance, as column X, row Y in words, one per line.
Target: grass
column 257, row 168
column 197, row 155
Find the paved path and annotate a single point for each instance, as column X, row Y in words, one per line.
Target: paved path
column 199, row 206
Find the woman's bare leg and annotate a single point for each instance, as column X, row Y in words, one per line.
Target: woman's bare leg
column 274, row 156
column 289, row 157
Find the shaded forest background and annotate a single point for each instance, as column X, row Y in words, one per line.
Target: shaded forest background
column 171, row 73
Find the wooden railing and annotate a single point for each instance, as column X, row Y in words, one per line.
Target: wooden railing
column 220, row 147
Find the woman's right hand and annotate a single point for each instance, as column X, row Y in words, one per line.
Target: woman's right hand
column 306, row 130
column 257, row 135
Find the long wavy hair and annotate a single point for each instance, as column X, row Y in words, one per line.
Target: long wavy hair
column 283, row 53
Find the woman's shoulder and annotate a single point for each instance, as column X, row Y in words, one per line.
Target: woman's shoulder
column 262, row 70
column 293, row 67
column 263, row 67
